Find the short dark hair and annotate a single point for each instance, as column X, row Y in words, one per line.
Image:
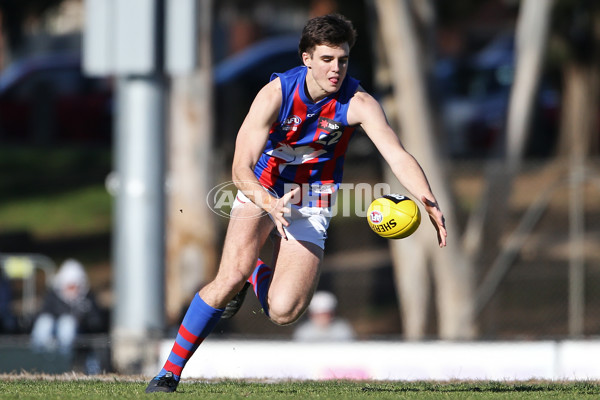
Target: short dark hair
column 330, row 29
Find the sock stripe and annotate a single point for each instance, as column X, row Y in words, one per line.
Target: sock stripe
column 257, row 270
column 261, row 269
column 176, row 360
column 198, row 322
column 260, row 282
column 261, row 276
column 264, row 270
column 174, row 368
column 185, row 334
column 183, row 352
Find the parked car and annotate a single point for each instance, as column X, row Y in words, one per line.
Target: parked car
column 47, row 99
column 474, row 98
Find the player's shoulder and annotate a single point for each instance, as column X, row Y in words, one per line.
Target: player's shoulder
column 271, row 91
column 361, row 106
column 290, row 76
column 361, row 96
column 274, row 84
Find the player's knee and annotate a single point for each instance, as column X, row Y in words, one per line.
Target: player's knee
column 285, row 314
column 283, row 319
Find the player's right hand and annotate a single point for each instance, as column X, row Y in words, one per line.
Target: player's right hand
column 280, row 209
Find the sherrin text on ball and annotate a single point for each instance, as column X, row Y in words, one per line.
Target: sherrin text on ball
column 393, row 216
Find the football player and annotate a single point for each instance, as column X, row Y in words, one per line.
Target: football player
column 287, row 166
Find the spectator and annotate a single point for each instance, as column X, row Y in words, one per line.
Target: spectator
column 69, row 308
column 322, row 324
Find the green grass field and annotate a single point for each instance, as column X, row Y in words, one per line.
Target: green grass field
column 54, row 191
column 68, row 386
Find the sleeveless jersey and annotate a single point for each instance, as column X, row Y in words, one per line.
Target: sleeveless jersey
column 308, row 141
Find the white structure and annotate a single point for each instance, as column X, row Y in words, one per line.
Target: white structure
column 385, row 360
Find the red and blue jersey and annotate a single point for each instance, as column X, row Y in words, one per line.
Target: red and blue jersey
column 308, row 141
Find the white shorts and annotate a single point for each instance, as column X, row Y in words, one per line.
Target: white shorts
column 308, row 224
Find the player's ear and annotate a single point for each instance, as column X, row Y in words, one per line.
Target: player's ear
column 306, row 59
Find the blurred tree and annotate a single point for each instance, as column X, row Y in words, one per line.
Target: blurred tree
column 577, row 40
column 578, row 34
column 453, row 272
column 488, row 221
column 191, row 227
column 450, row 270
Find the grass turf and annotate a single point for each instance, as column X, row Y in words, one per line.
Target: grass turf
column 69, row 386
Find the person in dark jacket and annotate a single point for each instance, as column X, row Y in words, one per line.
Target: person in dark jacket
column 69, row 308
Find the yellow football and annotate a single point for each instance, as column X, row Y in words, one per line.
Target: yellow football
column 393, row 216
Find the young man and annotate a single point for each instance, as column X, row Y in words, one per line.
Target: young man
column 296, row 133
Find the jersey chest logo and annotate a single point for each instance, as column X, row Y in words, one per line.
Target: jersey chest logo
column 329, row 125
column 330, row 131
column 291, row 123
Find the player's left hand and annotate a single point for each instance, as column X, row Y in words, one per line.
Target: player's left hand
column 437, row 219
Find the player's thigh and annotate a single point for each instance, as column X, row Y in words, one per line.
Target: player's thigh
column 247, row 231
column 296, row 273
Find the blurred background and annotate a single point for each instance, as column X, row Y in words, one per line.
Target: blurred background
column 498, row 100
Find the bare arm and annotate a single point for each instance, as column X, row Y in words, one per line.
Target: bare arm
column 249, row 145
column 367, row 112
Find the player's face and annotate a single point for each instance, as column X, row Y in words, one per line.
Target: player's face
column 327, row 69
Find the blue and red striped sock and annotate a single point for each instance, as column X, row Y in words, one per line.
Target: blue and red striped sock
column 199, row 321
column 261, row 280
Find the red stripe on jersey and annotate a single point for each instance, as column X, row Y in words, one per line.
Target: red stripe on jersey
column 269, row 174
column 328, row 111
column 328, row 168
column 340, row 149
column 187, row 335
column 299, row 110
column 304, row 171
column 174, row 368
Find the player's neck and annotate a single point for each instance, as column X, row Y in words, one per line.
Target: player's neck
column 313, row 91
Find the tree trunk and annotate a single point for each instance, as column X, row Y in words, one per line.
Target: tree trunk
column 579, row 127
column 580, row 107
column 191, row 239
column 451, row 271
column 486, row 223
column 531, row 37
